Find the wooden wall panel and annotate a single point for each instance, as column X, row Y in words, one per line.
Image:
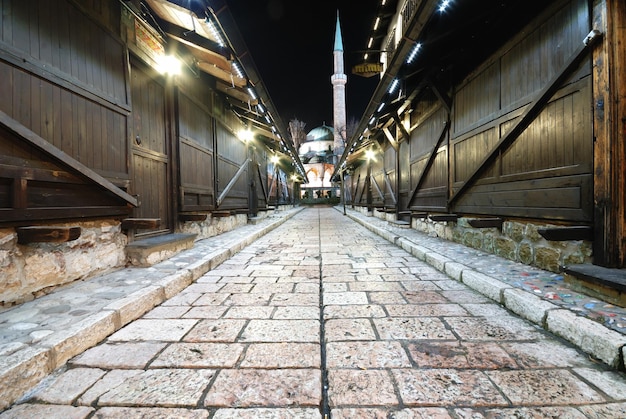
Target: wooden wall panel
column 196, row 177
column 468, row 152
column 151, row 148
column 195, row 121
column 551, row 161
column 232, row 154
column 534, row 60
column 196, row 157
column 150, row 180
column 62, row 37
column 477, row 100
column 237, row 197
column 69, row 92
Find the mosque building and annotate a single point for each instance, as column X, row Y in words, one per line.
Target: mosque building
column 324, row 145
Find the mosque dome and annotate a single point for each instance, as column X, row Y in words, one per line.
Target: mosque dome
column 323, row 133
column 318, row 147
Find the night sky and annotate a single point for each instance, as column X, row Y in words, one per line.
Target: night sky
column 292, row 42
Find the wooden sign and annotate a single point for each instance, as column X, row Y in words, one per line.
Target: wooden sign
column 367, row 69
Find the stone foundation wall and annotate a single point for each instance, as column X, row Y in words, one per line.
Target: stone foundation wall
column 518, row 240
column 32, row 270
column 29, row 271
column 212, row 226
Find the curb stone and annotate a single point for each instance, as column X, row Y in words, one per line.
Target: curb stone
column 22, row 369
column 593, row 338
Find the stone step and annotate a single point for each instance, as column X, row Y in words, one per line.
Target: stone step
column 609, row 283
column 147, row 252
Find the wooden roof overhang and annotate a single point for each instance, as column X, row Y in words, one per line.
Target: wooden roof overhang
column 209, row 33
column 455, row 42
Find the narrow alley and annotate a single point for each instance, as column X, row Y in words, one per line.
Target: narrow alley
column 322, row 318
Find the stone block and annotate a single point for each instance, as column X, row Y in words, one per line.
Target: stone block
column 137, row 304
column 455, row 270
column 21, row 371
column 590, row 336
column 437, row 261
column 79, row 337
column 527, row 305
column 486, row 285
column 176, row 282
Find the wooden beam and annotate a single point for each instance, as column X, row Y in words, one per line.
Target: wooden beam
column 400, row 126
column 530, row 113
column 443, row 217
column 232, row 182
column 19, row 216
column 431, row 159
column 47, row 234
column 609, row 135
column 192, row 217
column 486, row 222
column 388, row 183
column 141, row 223
column 39, row 143
column 566, row 233
column 389, row 136
column 377, row 186
column 445, row 99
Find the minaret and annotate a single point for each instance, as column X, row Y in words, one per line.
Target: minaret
column 338, row 80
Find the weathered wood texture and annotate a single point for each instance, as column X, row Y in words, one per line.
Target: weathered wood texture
column 232, row 154
column 63, row 78
column 547, row 171
column 196, row 147
column 151, row 148
column 609, row 122
column 47, row 234
column 429, row 159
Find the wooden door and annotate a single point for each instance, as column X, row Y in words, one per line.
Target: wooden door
column 150, row 154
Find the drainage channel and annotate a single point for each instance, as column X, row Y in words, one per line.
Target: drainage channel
column 325, row 402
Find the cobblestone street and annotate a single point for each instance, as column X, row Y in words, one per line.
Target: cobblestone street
column 323, row 318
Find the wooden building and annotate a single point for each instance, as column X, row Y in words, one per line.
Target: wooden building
column 500, row 124
column 103, row 143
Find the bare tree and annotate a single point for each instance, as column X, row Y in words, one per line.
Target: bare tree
column 296, row 128
column 347, row 131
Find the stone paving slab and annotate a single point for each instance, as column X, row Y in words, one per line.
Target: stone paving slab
column 39, row 336
column 542, row 297
column 414, row 343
